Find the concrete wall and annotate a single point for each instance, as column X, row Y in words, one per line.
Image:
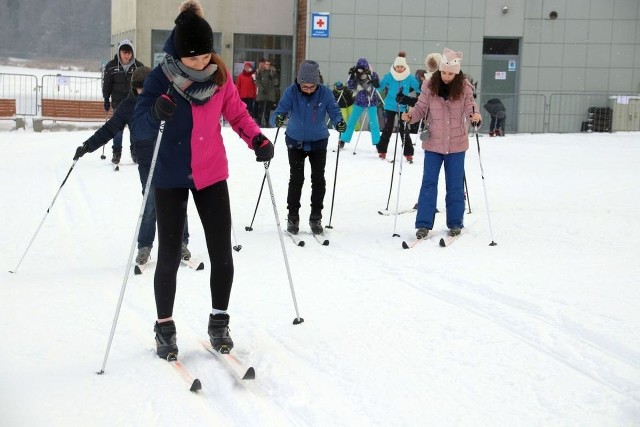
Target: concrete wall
column 593, row 45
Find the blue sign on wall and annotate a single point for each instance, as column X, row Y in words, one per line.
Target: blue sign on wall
column 319, row 25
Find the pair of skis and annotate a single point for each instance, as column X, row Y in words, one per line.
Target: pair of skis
column 444, row 242
column 191, row 263
column 320, row 238
column 240, row 371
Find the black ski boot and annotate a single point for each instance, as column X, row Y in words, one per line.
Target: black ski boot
column 166, row 340
column 293, row 224
column 219, row 333
column 315, row 224
column 116, row 157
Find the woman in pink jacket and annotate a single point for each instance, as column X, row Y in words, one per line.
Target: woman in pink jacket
column 190, row 91
column 447, row 104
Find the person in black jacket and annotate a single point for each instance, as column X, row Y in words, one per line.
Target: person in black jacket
column 123, row 116
column 116, row 82
column 495, row 107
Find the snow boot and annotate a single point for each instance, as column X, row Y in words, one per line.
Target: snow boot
column 219, row 333
column 409, row 159
column 116, row 157
column 144, row 253
column 382, row 155
column 316, row 225
column 422, row 233
column 166, row 339
column 455, row 231
column 340, row 145
column 186, row 253
column 293, row 224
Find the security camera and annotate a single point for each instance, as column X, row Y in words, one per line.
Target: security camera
column 505, row 9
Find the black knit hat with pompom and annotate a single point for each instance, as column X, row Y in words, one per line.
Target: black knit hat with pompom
column 193, row 35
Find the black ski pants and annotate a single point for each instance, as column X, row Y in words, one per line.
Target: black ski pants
column 317, row 160
column 213, row 208
column 383, row 145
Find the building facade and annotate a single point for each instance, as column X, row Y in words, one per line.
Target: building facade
column 532, row 54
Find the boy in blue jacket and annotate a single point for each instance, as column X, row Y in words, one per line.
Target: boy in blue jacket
column 307, row 103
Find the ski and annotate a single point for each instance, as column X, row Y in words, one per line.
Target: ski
column 297, row 240
column 239, row 370
column 116, row 168
column 184, row 372
column 448, row 240
column 414, row 243
column 140, row 268
column 192, row 264
column 320, row 239
column 387, row 212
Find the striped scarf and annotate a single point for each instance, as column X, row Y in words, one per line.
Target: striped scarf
column 196, row 86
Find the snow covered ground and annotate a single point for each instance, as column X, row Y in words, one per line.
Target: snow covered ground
column 541, row 329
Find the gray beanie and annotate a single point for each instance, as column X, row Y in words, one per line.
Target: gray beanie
column 309, row 73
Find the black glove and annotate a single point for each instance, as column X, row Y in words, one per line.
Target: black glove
column 80, row 151
column 406, row 100
column 341, row 126
column 263, row 148
column 367, row 72
column 476, row 124
column 164, row 108
column 352, row 70
column 280, row 120
column 107, row 105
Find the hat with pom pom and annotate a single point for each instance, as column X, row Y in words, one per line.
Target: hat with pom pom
column 432, row 62
column 192, row 35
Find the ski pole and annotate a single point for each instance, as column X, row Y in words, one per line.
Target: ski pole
column 395, row 150
column 337, row 102
column 127, row 271
column 250, row 227
column 362, row 124
column 298, row 319
column 102, row 156
column 335, row 179
column 236, row 247
column 467, row 192
column 395, row 221
column 44, row 217
column 484, row 186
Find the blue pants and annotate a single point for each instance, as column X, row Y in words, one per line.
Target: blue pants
column 374, row 127
column 454, row 177
column 117, row 142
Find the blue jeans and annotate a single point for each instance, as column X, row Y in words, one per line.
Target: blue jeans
column 454, row 177
column 117, row 142
column 147, row 233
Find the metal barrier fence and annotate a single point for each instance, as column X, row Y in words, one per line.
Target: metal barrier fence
column 71, row 88
column 526, row 112
column 24, row 89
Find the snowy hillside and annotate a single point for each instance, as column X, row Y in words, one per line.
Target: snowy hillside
column 539, row 330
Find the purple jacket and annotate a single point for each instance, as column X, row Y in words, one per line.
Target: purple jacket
column 364, row 83
column 447, row 120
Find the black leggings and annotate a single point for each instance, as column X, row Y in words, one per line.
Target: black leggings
column 212, row 204
column 383, row 145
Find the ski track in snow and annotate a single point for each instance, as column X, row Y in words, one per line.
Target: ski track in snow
column 539, row 330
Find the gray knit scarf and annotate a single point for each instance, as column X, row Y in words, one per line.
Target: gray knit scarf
column 196, row 86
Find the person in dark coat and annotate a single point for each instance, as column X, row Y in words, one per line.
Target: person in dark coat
column 123, row 116
column 496, row 109
column 116, row 81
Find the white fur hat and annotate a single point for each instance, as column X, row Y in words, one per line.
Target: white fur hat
column 432, row 62
column 451, row 61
